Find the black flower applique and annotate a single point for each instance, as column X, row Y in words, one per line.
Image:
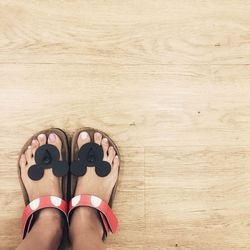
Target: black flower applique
column 90, row 155
column 47, row 156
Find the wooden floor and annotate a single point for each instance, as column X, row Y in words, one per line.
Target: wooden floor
column 168, row 80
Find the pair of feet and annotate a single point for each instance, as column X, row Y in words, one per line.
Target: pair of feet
column 90, row 183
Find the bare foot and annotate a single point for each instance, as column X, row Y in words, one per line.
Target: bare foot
column 91, row 183
column 48, row 184
column 84, row 221
column 49, row 220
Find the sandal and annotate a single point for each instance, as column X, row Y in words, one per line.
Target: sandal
column 91, row 155
column 46, row 156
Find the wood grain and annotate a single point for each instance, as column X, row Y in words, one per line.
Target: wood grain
column 168, row 80
column 125, row 32
column 200, row 199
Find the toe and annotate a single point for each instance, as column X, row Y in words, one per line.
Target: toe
column 34, row 146
column 22, row 161
column 105, row 146
column 28, row 153
column 42, row 139
column 111, row 154
column 83, row 138
column 53, row 139
column 98, row 138
column 116, row 163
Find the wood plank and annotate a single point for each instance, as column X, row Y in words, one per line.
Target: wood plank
column 137, row 105
column 125, row 32
column 197, row 198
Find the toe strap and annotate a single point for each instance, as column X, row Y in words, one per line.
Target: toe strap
column 108, row 219
column 38, row 204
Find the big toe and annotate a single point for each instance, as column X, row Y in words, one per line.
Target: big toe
column 83, row 138
column 53, row 139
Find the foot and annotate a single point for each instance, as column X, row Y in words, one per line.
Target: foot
column 84, row 219
column 48, row 184
column 91, row 183
column 49, row 221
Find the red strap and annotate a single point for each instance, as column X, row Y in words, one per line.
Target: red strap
column 109, row 220
column 38, row 204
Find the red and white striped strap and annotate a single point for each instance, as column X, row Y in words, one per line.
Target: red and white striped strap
column 38, row 204
column 108, row 218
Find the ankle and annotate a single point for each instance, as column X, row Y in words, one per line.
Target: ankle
column 47, row 230
column 50, row 215
column 85, row 219
column 51, row 220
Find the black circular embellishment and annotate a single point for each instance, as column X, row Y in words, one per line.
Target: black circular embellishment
column 60, row 168
column 90, row 155
column 102, row 168
column 47, row 156
column 35, row 172
column 78, row 168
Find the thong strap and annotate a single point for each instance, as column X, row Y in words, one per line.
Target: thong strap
column 39, row 204
column 107, row 217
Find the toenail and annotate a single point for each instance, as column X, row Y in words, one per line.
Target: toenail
column 98, row 134
column 29, row 146
column 52, row 137
column 111, row 148
column 84, row 135
column 34, row 142
column 41, row 136
column 116, row 156
column 105, row 140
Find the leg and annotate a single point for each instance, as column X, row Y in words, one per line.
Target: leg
column 85, row 228
column 50, row 240
column 46, row 232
